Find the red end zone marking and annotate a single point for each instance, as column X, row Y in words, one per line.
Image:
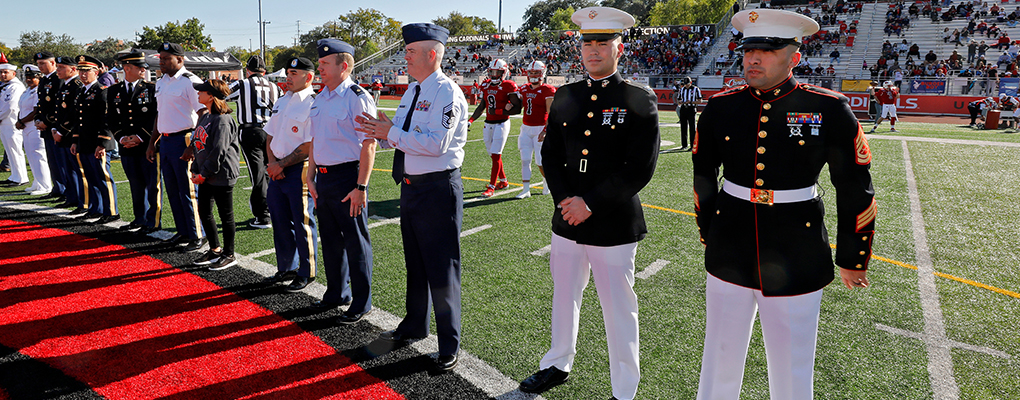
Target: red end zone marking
column 133, row 327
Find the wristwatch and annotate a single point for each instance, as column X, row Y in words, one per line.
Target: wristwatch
column 362, row 187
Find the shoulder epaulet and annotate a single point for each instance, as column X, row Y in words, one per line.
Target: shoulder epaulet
column 730, row 91
column 637, row 85
column 187, row 74
column 822, row 91
column 358, row 90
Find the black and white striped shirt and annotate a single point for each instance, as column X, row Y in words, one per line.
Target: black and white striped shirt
column 255, row 98
column 688, row 94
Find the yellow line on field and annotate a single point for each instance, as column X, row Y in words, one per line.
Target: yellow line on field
column 879, row 258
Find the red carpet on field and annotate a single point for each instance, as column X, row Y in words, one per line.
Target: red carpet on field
column 133, row 327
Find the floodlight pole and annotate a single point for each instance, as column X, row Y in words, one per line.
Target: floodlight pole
column 499, row 28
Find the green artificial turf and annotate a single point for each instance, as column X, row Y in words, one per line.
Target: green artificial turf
column 968, row 202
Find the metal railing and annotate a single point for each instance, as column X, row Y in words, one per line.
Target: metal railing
column 387, row 51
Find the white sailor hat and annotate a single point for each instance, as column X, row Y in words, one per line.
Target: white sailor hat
column 8, row 67
column 772, row 29
column 601, row 23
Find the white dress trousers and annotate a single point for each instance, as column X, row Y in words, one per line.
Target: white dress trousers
column 790, row 329
column 35, row 151
column 572, row 265
column 495, row 136
column 528, row 144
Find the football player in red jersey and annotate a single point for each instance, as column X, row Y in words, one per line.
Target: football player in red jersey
column 886, row 96
column 500, row 100
column 536, row 98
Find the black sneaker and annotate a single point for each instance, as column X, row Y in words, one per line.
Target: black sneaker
column 260, row 223
column 208, row 258
column 223, row 263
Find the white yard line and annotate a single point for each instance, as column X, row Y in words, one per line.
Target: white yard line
column 652, row 269
column 943, row 141
column 383, row 222
column 473, row 231
column 543, row 251
column 940, row 359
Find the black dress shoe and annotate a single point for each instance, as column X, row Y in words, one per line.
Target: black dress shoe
column 280, row 277
column 77, row 211
column 543, row 380
column 195, row 244
column 298, row 284
column 57, row 199
column 148, row 229
column 90, row 215
column 130, row 227
column 322, row 305
column 107, row 219
column 446, row 363
column 397, row 337
column 348, row 319
column 177, row 238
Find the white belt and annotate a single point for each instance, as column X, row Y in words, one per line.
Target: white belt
column 765, row 196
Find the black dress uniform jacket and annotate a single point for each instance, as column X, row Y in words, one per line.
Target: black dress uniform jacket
column 64, row 118
column 45, row 107
column 131, row 114
column 780, row 139
column 602, row 142
column 91, row 130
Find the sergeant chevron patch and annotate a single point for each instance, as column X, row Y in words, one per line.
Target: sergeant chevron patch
column 863, row 150
column 868, row 216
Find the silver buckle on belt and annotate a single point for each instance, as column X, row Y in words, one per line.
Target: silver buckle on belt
column 761, row 196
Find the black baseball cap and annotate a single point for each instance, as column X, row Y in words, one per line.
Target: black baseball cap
column 205, row 86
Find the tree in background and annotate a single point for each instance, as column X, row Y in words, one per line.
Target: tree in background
column 687, row 12
column 539, row 15
column 560, row 20
column 368, row 30
column 284, row 54
column 189, row 35
column 461, row 25
column 106, row 50
column 36, row 41
column 638, row 8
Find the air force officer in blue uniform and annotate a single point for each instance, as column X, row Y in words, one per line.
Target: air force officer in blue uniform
column 341, row 164
column 429, row 132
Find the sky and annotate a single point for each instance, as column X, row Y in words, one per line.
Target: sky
column 234, row 22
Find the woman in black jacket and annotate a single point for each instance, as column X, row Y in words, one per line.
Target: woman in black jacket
column 215, row 168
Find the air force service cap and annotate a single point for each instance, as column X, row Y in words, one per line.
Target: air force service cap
column 134, row 57
column 43, row 55
column 300, row 63
column 173, row 49
column 601, row 23
column 424, row 31
column 329, row 46
column 771, row 29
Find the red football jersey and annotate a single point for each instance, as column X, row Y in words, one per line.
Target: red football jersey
column 534, row 103
column 886, row 96
column 496, row 98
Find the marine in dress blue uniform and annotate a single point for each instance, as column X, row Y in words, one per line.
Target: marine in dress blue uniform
column 61, row 121
column 49, row 85
column 600, row 150
column 130, row 115
column 177, row 107
column 341, row 165
column 767, row 249
column 429, row 131
column 92, row 140
column 290, row 205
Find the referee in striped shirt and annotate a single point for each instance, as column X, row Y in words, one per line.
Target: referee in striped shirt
column 687, row 98
column 255, row 96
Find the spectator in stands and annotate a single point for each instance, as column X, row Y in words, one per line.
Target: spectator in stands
column 981, row 27
column 956, row 38
column 831, row 71
column 1003, row 42
column 1014, row 48
column 993, row 31
column 915, row 51
column 931, row 57
column 834, row 56
column 903, row 46
column 971, row 51
column 946, row 35
column 980, row 63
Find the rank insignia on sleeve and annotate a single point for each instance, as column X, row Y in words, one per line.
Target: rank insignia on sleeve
column 448, row 115
column 862, row 149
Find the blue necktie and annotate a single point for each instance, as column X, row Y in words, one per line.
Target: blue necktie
column 398, row 156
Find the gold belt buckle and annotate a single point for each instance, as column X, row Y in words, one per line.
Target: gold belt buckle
column 761, row 196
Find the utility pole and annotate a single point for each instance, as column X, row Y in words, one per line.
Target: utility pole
column 499, row 26
column 262, row 33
